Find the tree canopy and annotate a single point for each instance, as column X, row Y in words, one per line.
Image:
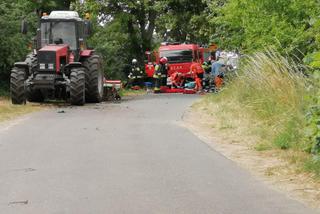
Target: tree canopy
column 125, row 29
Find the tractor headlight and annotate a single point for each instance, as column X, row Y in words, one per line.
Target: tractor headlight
column 42, row 66
column 50, row 66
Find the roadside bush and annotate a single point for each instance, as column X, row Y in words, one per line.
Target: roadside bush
column 312, row 130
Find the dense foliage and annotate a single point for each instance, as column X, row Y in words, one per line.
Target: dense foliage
column 126, row 29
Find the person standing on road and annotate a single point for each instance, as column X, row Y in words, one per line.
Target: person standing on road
column 136, row 74
column 207, row 77
column 197, row 72
column 160, row 74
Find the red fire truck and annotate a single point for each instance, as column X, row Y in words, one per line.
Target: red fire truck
column 180, row 57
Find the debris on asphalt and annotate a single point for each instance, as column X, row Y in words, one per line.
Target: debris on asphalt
column 19, row 202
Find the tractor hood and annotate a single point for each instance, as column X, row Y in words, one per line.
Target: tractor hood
column 56, row 48
column 50, row 56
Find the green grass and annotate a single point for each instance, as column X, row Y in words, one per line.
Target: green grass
column 268, row 95
column 262, row 147
column 290, row 136
column 312, row 164
column 129, row 92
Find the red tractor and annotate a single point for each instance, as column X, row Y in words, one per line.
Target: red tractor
column 61, row 66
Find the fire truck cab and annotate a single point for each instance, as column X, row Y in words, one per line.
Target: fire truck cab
column 180, row 57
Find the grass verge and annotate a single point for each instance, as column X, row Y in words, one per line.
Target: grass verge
column 267, row 101
column 258, row 120
column 9, row 111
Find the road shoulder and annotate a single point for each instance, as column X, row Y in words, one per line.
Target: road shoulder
column 267, row 166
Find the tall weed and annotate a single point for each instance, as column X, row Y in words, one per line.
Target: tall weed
column 271, row 89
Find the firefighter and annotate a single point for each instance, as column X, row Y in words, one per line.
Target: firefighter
column 136, row 74
column 197, row 72
column 164, row 70
column 160, row 74
column 207, row 78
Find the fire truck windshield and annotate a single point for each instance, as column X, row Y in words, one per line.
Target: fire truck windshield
column 177, row 56
column 59, row 33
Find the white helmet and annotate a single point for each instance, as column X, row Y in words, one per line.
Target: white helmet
column 134, row 61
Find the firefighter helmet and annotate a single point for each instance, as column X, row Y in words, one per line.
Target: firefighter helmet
column 163, row 60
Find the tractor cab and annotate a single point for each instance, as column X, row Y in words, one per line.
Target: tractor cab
column 61, row 66
column 63, row 28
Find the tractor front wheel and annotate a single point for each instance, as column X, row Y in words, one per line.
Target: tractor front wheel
column 17, row 88
column 94, row 79
column 77, row 86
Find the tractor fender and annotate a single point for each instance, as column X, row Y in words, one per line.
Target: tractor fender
column 67, row 68
column 21, row 65
column 86, row 53
column 73, row 64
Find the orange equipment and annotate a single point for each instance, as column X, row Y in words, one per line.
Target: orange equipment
column 177, row 79
column 218, row 81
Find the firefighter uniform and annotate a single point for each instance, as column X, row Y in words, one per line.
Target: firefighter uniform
column 136, row 76
column 164, row 74
column 207, row 82
column 157, row 79
column 160, row 74
column 197, row 72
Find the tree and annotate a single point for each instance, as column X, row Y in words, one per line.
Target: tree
column 184, row 20
column 13, row 46
column 123, row 28
column 253, row 25
column 138, row 23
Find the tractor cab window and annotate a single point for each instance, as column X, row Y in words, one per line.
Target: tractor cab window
column 177, row 56
column 59, row 33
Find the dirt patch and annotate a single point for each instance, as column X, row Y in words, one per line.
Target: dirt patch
column 268, row 166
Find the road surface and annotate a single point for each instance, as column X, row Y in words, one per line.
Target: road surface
column 133, row 157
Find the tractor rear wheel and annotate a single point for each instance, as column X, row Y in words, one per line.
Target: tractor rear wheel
column 17, row 88
column 94, row 79
column 77, row 86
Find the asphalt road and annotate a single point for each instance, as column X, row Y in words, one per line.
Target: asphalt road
column 133, row 157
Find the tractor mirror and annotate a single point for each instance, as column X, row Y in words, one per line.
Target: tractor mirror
column 38, row 39
column 24, row 27
column 88, row 28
